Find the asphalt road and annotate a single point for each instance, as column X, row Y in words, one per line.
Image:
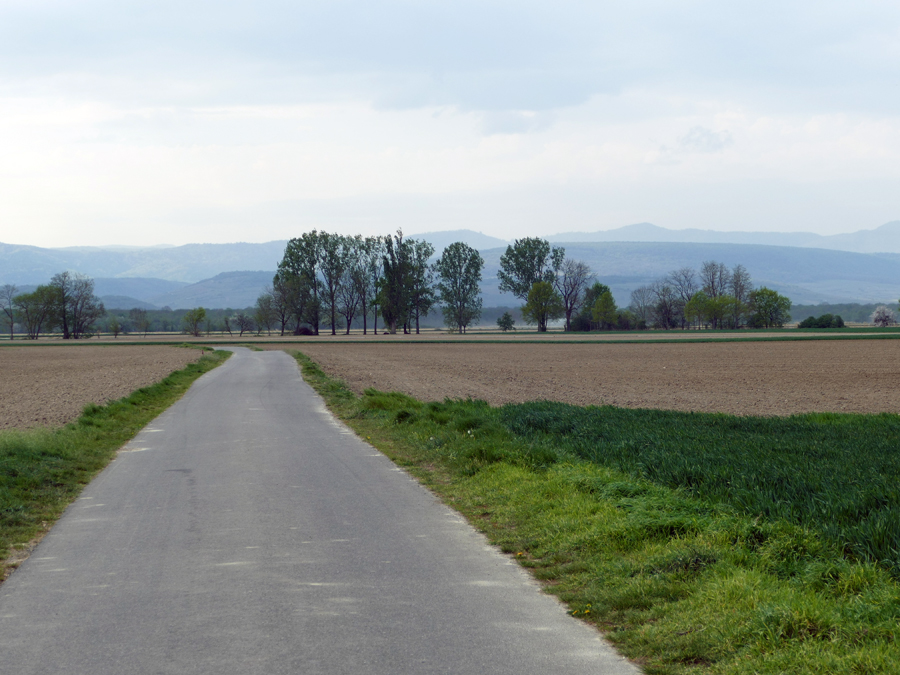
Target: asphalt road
column 246, row 531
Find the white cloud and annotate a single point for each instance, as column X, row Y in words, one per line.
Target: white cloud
column 148, row 122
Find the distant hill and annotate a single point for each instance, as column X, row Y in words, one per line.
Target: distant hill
column 125, row 302
column 226, row 275
column 477, row 240
column 138, row 288
column 189, row 263
column 805, row 275
column 230, row 289
column 884, row 239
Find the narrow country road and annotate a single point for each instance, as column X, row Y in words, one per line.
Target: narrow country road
column 246, row 531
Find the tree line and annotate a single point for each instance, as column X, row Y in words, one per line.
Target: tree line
column 713, row 296
column 554, row 287
column 67, row 304
column 329, row 280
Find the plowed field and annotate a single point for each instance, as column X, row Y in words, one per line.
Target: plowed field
column 756, row 378
column 49, row 386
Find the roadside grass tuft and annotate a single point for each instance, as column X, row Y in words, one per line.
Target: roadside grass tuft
column 42, row 470
column 691, row 540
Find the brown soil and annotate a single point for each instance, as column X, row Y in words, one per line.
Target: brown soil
column 49, row 385
column 758, row 378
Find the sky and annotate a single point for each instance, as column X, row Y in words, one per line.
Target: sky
column 146, row 123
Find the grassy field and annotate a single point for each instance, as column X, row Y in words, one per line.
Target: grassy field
column 43, row 470
column 699, row 543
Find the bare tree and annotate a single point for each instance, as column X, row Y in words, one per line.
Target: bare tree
column 77, row 306
column 349, row 295
column 714, row 278
column 684, row 283
column 264, row 312
column 7, row 294
column 244, row 323
column 572, row 278
column 642, row 303
column 740, row 286
column 665, row 314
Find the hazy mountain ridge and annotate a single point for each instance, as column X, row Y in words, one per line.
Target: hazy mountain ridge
column 883, row 239
column 232, row 279
column 187, row 264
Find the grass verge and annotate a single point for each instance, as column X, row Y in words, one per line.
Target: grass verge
column 682, row 580
column 43, row 470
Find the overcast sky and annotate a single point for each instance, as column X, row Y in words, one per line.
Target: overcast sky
column 173, row 122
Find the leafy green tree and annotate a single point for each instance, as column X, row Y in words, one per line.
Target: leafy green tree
column 371, row 252
column 824, row 321
column 584, row 320
column 506, row 322
column 719, row 309
column 769, row 308
column 543, row 305
column 333, row 260
column 394, row 293
column 695, row 309
column 300, row 268
column 37, row 310
column 459, row 285
column 528, row 261
column 193, row 320
column 353, row 282
column 420, row 279
column 604, row 311
column 115, row 327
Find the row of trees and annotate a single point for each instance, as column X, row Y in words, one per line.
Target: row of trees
column 67, row 304
column 327, row 279
column 713, row 296
column 554, row 287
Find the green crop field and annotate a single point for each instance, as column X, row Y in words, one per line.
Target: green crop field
column 837, row 474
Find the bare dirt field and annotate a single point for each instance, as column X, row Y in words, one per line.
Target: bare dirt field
column 757, row 378
column 49, row 385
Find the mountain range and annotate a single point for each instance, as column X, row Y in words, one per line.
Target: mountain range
column 862, row 266
column 884, row 239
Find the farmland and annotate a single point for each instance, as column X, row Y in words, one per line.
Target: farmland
column 753, row 378
column 50, row 385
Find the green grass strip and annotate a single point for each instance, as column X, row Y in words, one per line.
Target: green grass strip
column 681, row 580
column 43, row 470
